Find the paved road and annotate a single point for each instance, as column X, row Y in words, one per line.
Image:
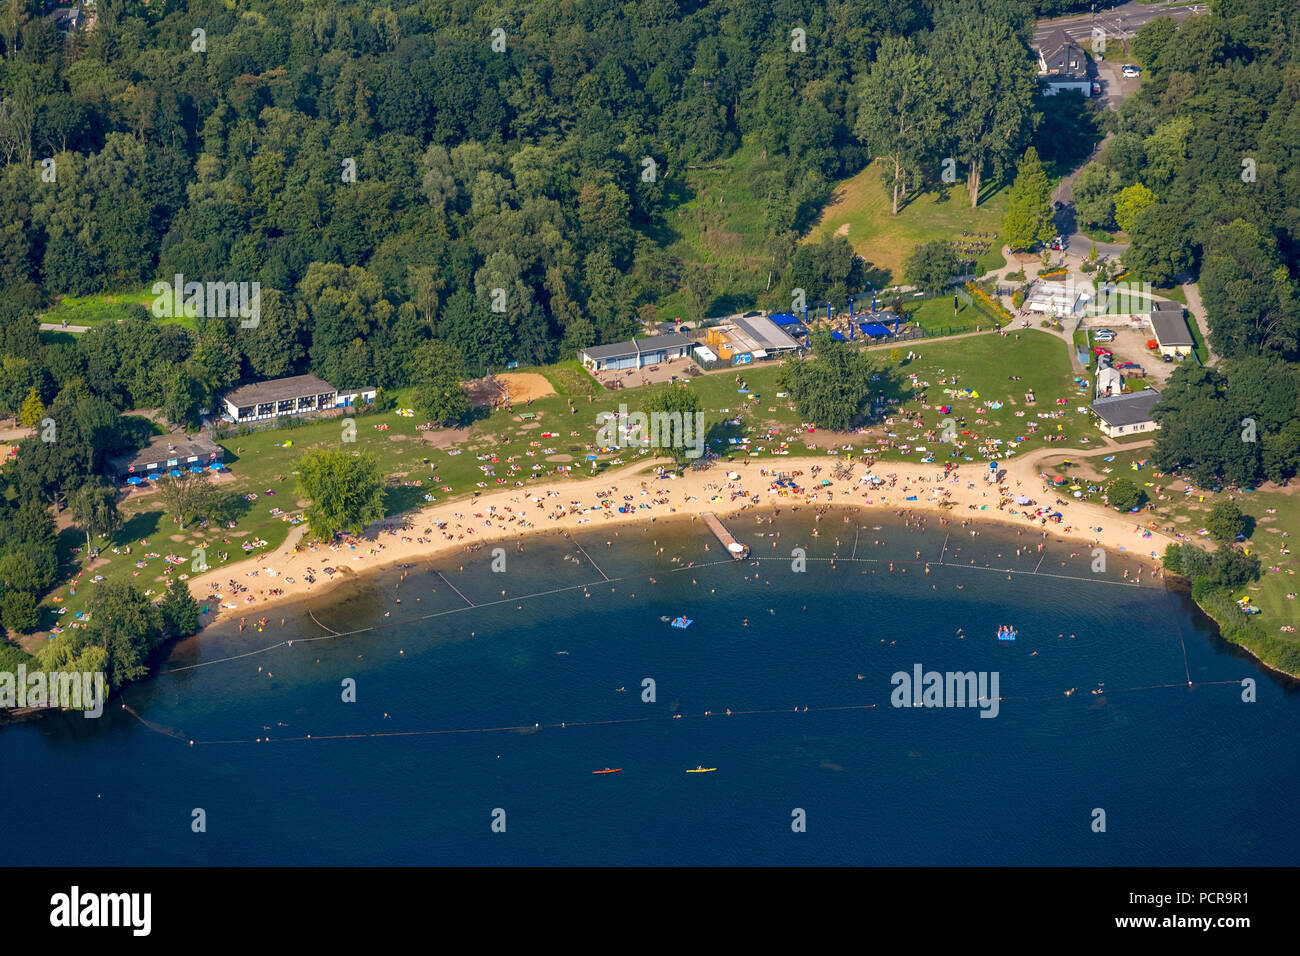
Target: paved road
column 75, row 329
column 1118, row 21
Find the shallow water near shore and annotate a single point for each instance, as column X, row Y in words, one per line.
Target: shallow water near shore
column 461, row 692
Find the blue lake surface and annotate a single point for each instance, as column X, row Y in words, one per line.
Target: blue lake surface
column 412, row 772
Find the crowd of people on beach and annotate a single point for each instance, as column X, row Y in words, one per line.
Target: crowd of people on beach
column 742, row 487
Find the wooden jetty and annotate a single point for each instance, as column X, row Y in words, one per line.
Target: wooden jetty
column 725, row 536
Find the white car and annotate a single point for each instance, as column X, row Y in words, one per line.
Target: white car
column 1130, row 70
column 1104, row 335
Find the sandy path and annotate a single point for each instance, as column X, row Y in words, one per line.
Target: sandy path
column 574, row 506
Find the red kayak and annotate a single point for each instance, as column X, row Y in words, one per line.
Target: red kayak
column 607, row 770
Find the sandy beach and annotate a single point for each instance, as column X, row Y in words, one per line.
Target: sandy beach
column 965, row 494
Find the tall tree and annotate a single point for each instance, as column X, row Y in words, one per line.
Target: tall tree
column 989, row 83
column 438, row 372
column 1029, row 211
column 188, row 497
column 345, row 489
column 898, row 111
column 94, row 508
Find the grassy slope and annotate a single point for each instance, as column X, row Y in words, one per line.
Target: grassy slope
column 862, row 209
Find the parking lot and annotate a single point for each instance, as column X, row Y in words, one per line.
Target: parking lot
column 1130, row 345
column 1115, row 87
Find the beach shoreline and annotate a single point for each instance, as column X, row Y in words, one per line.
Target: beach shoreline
column 568, row 506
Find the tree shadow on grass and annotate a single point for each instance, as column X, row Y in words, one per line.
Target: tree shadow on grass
column 400, row 498
column 139, row 527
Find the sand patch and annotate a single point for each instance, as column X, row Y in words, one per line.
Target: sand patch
column 842, row 230
column 443, row 437
column 512, row 387
column 177, row 538
column 559, row 458
column 530, row 426
column 399, row 437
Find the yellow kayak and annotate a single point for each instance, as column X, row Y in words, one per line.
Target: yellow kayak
column 702, row 770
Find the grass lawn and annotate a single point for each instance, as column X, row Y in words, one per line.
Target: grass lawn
column 95, row 310
column 861, row 208
column 1199, row 347
column 986, row 364
column 936, row 317
column 1101, row 235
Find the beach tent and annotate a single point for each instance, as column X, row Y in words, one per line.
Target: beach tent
column 1022, row 500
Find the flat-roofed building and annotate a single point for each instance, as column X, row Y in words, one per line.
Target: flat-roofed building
column 296, row 395
column 638, row 353
column 1058, row 298
column 167, row 453
column 749, row 338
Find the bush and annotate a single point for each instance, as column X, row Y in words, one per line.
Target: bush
column 1225, row 522
column 1123, row 495
column 1018, row 298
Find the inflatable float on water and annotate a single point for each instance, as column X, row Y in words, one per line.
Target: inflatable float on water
column 1006, row 634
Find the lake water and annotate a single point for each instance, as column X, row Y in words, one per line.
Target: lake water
column 413, row 770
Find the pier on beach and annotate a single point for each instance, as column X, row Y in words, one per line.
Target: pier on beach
column 734, row 548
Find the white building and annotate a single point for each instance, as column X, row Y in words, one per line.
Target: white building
column 1122, row 415
column 281, row 396
column 1057, row 298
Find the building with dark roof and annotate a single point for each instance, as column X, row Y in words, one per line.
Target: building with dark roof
column 281, row 396
column 638, row 353
column 1119, row 415
column 168, row 453
column 1173, row 336
column 1062, row 64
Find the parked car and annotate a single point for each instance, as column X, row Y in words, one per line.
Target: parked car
column 1168, row 358
column 1128, row 69
column 1104, row 335
column 1101, row 350
column 1129, row 365
column 1096, row 88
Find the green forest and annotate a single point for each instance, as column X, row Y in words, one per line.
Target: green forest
column 382, row 170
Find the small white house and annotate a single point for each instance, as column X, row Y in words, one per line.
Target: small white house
column 1122, row 415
